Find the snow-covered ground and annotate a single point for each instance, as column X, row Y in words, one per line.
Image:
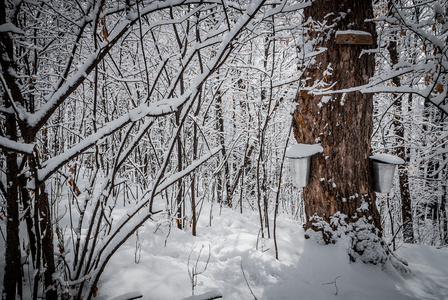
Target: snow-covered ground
column 305, row 270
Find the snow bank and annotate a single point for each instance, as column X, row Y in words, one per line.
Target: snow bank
column 303, row 271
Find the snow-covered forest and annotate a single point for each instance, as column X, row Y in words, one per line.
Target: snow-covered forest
column 143, row 149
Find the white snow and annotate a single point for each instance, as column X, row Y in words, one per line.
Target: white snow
column 210, row 295
column 303, row 271
column 303, row 150
column 16, row 146
column 287, row 8
column 154, row 264
column 9, row 27
column 127, row 296
column 387, row 158
column 355, row 32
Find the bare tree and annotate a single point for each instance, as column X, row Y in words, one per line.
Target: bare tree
column 57, row 52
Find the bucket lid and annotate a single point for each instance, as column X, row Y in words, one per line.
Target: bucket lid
column 387, row 159
column 303, row 150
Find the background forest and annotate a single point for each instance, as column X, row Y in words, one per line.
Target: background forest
column 117, row 113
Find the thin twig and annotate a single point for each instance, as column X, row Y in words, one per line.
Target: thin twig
column 244, row 275
column 335, row 285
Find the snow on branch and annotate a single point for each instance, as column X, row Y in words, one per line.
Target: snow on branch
column 156, row 109
column 11, row 28
column 425, row 71
column 429, row 93
column 10, row 145
column 283, row 8
column 18, row 109
column 132, row 220
column 175, row 177
column 38, row 119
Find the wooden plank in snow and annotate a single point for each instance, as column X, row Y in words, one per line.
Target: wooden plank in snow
column 353, row 37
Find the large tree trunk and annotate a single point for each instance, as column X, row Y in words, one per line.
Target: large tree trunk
column 341, row 184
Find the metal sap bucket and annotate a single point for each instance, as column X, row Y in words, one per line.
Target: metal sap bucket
column 383, row 170
column 300, row 170
column 299, row 156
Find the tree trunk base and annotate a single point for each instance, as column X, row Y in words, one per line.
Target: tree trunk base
column 363, row 239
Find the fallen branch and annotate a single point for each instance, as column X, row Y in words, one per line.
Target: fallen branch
column 335, row 285
column 242, row 270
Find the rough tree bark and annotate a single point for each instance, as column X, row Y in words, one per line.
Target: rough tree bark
column 12, row 281
column 340, row 192
column 46, row 230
